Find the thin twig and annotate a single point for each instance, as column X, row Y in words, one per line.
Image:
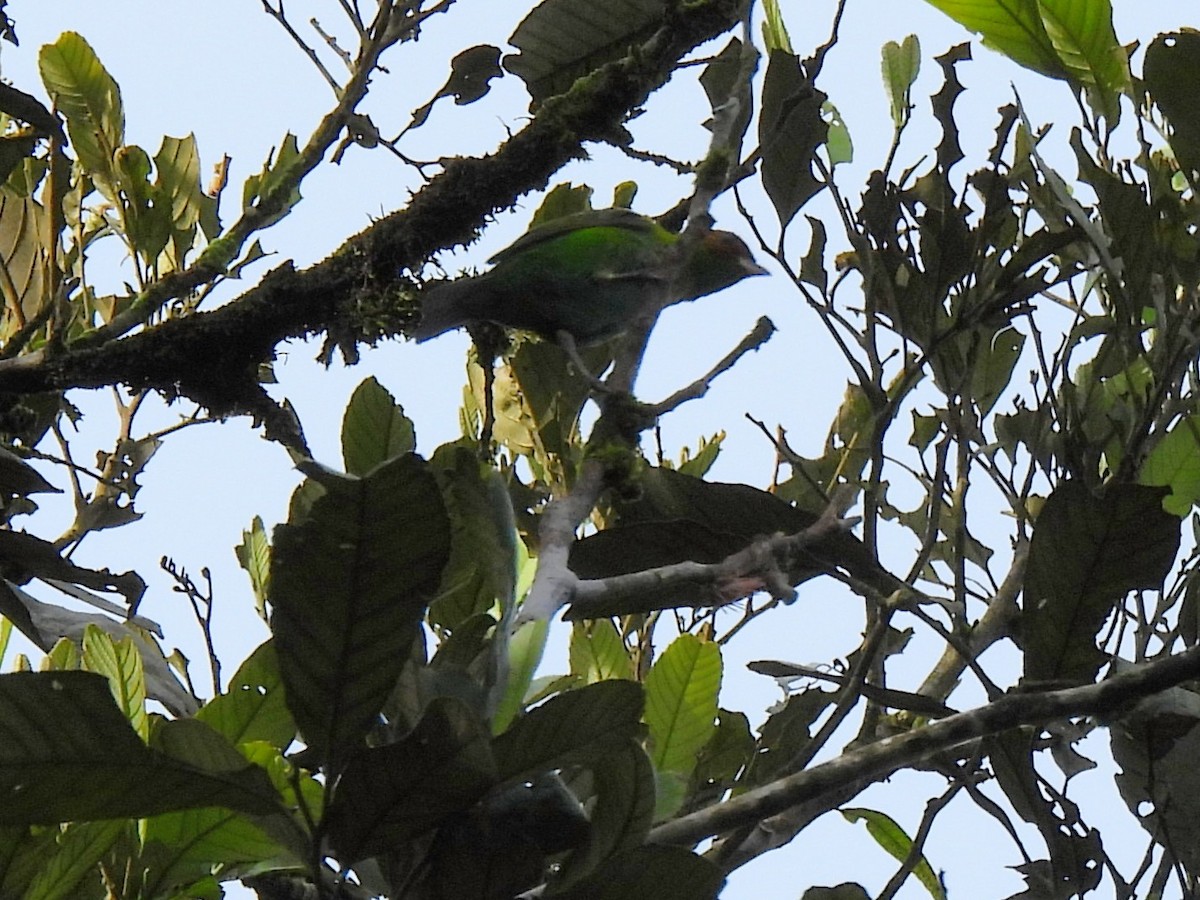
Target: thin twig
column 759, row 335
column 280, row 16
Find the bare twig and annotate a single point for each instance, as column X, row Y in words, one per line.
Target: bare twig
column 278, row 14
column 202, row 608
column 759, row 335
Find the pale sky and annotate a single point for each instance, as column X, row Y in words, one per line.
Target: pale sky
column 228, row 73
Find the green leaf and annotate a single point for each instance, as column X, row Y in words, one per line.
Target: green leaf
column 1086, row 44
column 1087, row 553
column 891, row 837
column 838, row 144
column 84, row 92
column 681, row 702
column 697, row 464
column 525, row 650
column 545, row 393
column 901, row 63
column 184, row 847
column 389, row 795
column 727, row 753
column 564, row 199
column 121, row 664
column 254, row 707
column 1012, row 27
column 1175, row 463
column 350, row 580
column 67, row 753
column 993, row 367
column 775, row 34
column 374, row 428
column 147, row 219
column 572, row 727
column 254, row 555
column 597, row 652
column 177, row 185
column 80, row 846
column 24, row 856
column 274, row 190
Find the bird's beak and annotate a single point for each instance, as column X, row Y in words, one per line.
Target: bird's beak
column 750, row 267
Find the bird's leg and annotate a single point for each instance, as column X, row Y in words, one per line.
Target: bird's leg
column 487, row 339
column 489, row 409
column 567, row 342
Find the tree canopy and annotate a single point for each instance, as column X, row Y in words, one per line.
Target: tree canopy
column 1004, row 497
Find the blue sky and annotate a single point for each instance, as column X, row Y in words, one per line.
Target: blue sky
column 228, row 73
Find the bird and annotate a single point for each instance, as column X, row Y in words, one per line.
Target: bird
column 586, row 277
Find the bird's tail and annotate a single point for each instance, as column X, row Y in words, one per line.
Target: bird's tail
column 445, row 306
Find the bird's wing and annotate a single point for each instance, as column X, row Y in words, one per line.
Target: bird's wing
column 616, row 217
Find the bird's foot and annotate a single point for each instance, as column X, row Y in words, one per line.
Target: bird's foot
column 567, row 342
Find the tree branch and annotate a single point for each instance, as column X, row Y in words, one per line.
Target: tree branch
column 213, row 357
column 876, row 761
column 760, row 566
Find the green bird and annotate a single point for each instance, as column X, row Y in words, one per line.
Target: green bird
column 588, row 275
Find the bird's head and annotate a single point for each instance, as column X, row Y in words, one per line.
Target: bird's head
column 720, row 259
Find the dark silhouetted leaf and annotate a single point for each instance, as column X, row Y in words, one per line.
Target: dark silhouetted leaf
column 623, row 781
column 60, row 731
column 1172, row 76
column 19, row 477
column 790, row 129
column 661, row 872
column 680, row 518
column 572, row 727
column 720, row 82
column 1156, row 746
column 390, row 794
column 1076, row 854
column 1087, row 553
column 560, row 40
column 350, row 580
column 471, row 72
column 481, row 570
